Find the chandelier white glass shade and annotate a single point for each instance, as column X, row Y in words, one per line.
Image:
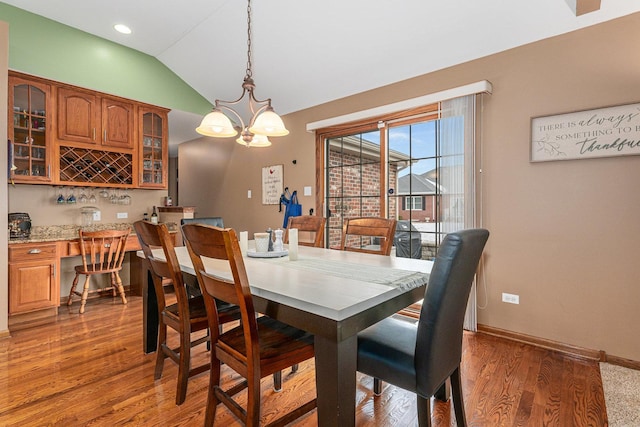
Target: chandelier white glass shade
column 255, row 141
column 264, row 121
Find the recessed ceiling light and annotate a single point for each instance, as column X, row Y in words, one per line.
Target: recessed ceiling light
column 121, row 28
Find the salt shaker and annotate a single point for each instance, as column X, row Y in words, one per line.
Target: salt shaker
column 278, row 245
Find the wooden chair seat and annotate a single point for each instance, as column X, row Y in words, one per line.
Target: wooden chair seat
column 279, row 343
column 95, row 269
column 197, row 311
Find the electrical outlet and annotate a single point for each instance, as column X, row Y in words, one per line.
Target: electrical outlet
column 248, row 194
column 122, row 215
column 510, row 298
column 96, row 215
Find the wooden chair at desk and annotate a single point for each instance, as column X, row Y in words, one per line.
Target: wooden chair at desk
column 186, row 316
column 308, row 224
column 259, row 347
column 102, row 253
column 358, row 235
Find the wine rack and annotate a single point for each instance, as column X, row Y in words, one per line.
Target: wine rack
column 83, row 165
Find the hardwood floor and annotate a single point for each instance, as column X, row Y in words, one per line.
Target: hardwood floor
column 90, row 370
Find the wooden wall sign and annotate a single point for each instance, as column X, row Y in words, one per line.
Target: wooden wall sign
column 604, row 132
column 272, row 184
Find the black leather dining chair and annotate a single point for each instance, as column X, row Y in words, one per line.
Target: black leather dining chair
column 216, row 221
column 421, row 357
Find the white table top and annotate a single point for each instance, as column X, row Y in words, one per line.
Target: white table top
column 329, row 283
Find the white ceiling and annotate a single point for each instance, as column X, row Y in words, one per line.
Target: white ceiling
column 309, row 52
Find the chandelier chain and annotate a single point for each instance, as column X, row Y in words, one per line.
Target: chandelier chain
column 249, row 74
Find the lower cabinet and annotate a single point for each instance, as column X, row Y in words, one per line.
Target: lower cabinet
column 34, row 283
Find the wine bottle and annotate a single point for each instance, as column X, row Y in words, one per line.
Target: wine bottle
column 154, row 216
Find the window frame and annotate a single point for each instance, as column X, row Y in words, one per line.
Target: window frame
column 413, row 115
column 410, row 200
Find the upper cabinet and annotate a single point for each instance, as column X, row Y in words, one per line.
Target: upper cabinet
column 29, row 130
column 65, row 135
column 85, row 117
column 153, row 148
column 118, row 123
column 78, row 115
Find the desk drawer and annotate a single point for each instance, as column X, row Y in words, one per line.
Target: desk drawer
column 73, row 247
column 32, row 251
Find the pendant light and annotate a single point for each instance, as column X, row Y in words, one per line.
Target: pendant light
column 264, row 121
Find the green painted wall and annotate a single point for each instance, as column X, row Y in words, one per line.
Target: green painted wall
column 46, row 48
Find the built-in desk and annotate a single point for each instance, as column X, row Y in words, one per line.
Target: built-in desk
column 35, row 270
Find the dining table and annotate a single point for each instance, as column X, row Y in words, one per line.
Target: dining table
column 332, row 294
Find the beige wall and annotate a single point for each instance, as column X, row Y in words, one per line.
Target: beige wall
column 4, row 271
column 563, row 234
column 39, row 201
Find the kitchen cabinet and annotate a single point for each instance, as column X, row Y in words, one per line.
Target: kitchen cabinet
column 88, row 118
column 67, row 135
column 34, row 283
column 153, row 147
column 118, row 123
column 29, row 130
column 78, row 115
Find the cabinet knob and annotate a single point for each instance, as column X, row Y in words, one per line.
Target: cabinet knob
column 35, row 251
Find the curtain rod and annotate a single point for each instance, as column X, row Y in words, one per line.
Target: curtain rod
column 482, row 86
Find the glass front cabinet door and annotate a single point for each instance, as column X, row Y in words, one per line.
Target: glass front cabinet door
column 29, row 130
column 154, row 149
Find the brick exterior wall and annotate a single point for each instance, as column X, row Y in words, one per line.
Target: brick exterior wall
column 354, row 191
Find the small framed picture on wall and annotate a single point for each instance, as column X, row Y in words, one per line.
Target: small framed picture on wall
column 272, row 184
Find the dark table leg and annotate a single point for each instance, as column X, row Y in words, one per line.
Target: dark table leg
column 149, row 311
column 336, row 381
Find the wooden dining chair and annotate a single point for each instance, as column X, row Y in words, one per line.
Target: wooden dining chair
column 421, row 357
column 311, row 225
column 217, row 221
column 186, row 316
column 259, row 347
column 361, row 235
column 102, row 253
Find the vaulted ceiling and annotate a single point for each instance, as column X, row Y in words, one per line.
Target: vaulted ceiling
column 309, row 52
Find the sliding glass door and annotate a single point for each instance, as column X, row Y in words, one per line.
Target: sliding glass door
column 416, row 168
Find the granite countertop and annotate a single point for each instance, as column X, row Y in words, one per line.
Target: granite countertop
column 53, row 233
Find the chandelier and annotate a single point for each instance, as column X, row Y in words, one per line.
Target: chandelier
column 264, row 121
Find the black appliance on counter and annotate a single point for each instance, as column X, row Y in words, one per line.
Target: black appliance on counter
column 19, row 225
